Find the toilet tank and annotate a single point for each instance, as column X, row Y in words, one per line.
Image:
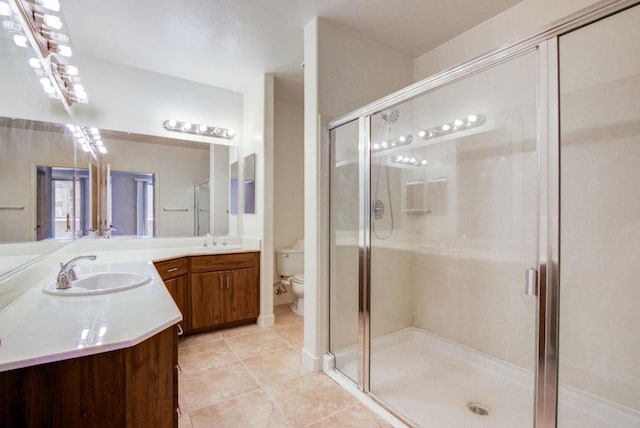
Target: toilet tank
column 290, row 261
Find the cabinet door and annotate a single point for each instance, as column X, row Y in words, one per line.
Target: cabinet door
column 242, row 295
column 207, row 299
column 178, row 288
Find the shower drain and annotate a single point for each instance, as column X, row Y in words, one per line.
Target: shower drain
column 478, row 409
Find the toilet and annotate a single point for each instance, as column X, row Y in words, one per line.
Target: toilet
column 290, row 267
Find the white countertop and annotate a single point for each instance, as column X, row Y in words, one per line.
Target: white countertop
column 39, row 328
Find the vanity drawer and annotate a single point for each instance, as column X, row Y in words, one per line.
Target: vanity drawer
column 173, row 268
column 212, row 263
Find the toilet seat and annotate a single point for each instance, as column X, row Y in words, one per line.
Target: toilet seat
column 298, row 278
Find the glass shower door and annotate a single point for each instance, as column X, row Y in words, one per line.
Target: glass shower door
column 599, row 365
column 454, row 181
column 344, row 249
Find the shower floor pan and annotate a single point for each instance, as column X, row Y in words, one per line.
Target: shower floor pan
column 436, row 383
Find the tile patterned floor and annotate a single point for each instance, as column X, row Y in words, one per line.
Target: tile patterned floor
column 252, row 377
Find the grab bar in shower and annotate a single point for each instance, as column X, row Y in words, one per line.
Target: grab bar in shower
column 11, row 208
column 175, row 210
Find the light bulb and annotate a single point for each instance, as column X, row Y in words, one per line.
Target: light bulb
column 399, row 158
column 422, row 134
column 53, row 5
column 71, row 127
column 384, row 144
column 5, row 10
column 406, row 159
column 94, row 130
column 35, row 63
column 402, row 139
column 231, row 133
column 71, row 70
column 102, row 149
column 63, row 50
column 78, row 87
column 376, row 146
column 412, row 160
column 52, row 21
column 187, row 125
column 11, row 26
column 45, row 82
column 172, row 123
column 56, row 37
column 424, row 162
column 446, row 127
column 217, row 131
column 203, row 128
column 85, row 148
column 20, row 40
column 473, row 118
column 458, row 122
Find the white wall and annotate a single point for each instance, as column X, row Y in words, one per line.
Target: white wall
column 177, row 169
column 343, row 71
column 258, row 120
column 288, row 180
column 516, row 23
column 139, row 101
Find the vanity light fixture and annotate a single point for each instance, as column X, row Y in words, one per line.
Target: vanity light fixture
column 392, row 143
column 37, row 26
column 409, row 160
column 456, row 125
column 197, row 129
column 88, row 139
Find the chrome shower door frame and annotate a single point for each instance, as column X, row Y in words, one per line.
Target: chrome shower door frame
column 548, row 201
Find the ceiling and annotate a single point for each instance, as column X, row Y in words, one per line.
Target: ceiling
column 226, row 43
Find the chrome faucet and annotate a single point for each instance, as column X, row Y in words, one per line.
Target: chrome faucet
column 108, row 232
column 67, row 273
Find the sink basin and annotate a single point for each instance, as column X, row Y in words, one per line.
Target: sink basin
column 100, row 283
column 217, row 248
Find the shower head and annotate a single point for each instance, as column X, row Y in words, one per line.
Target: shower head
column 390, row 116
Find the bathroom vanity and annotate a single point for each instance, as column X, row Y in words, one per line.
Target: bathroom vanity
column 112, row 359
column 213, row 291
column 130, row 387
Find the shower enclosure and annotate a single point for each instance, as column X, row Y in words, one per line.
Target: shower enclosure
column 483, row 234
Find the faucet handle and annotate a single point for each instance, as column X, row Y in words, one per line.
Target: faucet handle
column 71, row 273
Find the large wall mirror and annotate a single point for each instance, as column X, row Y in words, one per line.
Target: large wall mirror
column 51, row 191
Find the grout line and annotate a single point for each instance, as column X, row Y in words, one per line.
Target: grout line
column 331, row 415
column 260, row 386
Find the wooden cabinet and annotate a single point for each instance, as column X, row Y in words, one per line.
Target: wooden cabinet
column 224, row 290
column 131, row 387
column 213, row 291
column 175, row 274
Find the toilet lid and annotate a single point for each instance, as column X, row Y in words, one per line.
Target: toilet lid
column 299, row 278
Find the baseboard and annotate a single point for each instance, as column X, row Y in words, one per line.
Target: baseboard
column 310, row 361
column 266, row 320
